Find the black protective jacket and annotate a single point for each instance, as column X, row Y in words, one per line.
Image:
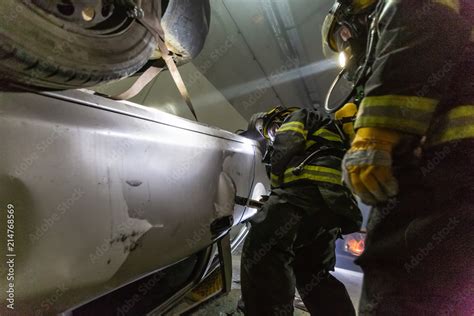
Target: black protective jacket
column 307, row 153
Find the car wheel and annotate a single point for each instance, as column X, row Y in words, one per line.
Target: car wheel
column 66, row 44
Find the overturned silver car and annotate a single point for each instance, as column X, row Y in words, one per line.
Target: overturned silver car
column 109, row 199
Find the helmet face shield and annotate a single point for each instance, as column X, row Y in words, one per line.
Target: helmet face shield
column 326, row 35
column 259, row 126
column 344, row 26
column 272, row 130
column 274, row 119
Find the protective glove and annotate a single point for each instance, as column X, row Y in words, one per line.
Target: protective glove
column 367, row 166
column 348, row 111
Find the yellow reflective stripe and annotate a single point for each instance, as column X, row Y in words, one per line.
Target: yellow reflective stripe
column 409, row 102
column 409, row 114
column 457, row 124
column 310, row 143
column 286, row 128
column 410, row 126
column 452, row 4
column 327, row 134
column 315, row 173
column 454, row 133
column 274, row 180
column 294, row 124
column 461, row 111
column 291, row 128
column 323, row 169
column 312, row 177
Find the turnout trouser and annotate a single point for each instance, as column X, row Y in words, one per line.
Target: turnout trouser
column 419, row 255
column 292, row 247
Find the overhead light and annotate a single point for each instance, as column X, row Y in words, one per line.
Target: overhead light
column 342, row 59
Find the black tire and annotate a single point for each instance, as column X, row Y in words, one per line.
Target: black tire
column 186, row 25
column 40, row 50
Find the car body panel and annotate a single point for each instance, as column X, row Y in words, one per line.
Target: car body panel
column 106, row 192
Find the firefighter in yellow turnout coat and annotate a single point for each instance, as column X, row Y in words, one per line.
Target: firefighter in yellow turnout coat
column 412, row 157
column 291, row 242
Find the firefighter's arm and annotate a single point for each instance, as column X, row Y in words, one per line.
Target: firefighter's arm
column 289, row 141
column 417, row 53
column 421, row 42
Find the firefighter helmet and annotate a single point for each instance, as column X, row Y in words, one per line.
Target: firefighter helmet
column 273, row 119
column 340, row 24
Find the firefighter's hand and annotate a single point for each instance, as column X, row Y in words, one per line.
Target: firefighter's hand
column 367, row 166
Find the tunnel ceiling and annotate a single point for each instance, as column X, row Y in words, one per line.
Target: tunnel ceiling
column 262, row 53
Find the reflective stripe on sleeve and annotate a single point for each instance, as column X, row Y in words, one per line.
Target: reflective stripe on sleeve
column 323, row 133
column 409, row 114
column 452, row 4
column 457, row 124
column 314, row 173
column 327, row 134
column 296, row 127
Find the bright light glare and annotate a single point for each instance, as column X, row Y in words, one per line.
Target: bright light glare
column 285, row 73
column 342, row 60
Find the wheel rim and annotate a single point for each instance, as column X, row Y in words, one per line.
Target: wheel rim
column 91, row 17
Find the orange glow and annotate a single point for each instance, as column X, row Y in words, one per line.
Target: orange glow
column 354, row 246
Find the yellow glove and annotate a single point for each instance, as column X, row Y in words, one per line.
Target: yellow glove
column 349, row 110
column 367, row 166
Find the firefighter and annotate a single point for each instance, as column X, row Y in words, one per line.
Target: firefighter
column 412, row 155
column 292, row 240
